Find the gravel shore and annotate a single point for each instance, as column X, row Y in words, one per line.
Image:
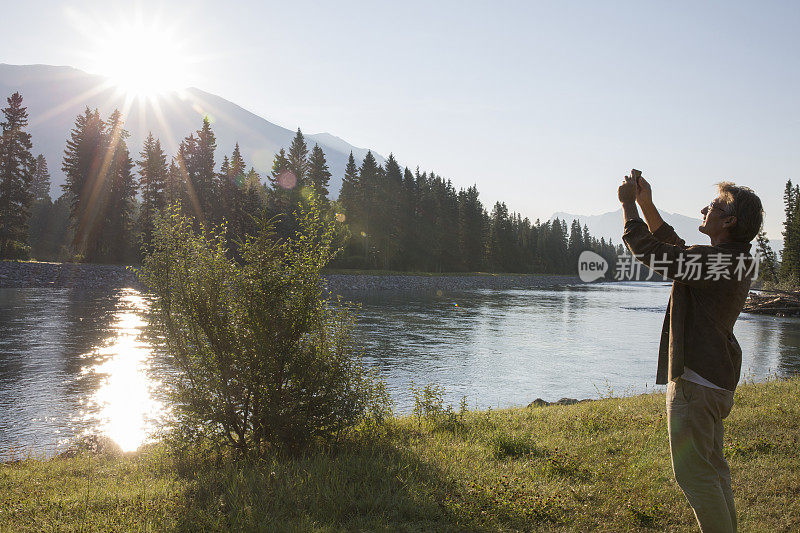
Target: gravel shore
column 17, row 274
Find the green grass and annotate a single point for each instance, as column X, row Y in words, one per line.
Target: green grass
column 594, row 466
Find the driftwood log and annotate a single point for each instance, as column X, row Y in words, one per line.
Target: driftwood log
column 778, row 303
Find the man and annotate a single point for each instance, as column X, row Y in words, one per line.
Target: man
column 699, row 357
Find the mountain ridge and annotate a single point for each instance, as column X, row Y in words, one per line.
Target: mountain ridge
column 56, row 94
column 609, row 226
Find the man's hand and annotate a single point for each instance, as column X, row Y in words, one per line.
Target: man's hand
column 644, row 197
column 644, row 194
column 627, row 191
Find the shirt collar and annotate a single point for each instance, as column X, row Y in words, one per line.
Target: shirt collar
column 741, row 247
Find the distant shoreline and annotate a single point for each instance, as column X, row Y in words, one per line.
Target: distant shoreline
column 31, row 274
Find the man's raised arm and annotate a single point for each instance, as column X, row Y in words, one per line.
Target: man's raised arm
column 660, row 229
column 669, row 260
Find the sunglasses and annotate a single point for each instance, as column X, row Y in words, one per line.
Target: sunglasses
column 720, row 206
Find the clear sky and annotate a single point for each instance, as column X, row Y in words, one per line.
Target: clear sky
column 544, row 105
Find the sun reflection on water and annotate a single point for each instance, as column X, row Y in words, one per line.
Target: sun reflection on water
column 124, row 405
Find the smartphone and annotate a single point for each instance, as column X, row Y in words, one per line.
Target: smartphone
column 636, row 174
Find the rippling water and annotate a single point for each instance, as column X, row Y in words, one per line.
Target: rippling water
column 75, row 361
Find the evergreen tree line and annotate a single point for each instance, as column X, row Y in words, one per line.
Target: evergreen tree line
column 389, row 217
column 404, row 220
column 783, row 273
column 787, row 273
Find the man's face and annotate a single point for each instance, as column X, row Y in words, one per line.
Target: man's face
column 717, row 219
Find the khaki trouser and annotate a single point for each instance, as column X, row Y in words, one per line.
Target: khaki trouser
column 694, row 423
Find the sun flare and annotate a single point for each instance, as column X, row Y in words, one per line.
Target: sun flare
column 142, row 59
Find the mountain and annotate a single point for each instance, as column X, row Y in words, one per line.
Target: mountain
column 609, row 226
column 55, row 96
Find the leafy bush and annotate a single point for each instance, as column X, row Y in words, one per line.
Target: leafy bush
column 264, row 359
column 429, row 407
column 428, row 402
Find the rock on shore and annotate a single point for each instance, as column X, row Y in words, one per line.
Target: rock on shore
column 21, row 274
column 538, row 402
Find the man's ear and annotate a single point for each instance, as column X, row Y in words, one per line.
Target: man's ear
column 729, row 222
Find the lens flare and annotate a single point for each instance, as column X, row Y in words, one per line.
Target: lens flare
column 286, row 179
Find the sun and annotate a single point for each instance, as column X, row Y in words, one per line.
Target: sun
column 141, row 58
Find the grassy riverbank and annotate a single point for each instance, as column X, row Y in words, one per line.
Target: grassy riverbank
column 591, row 466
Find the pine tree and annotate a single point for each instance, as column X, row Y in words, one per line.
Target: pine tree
column 387, row 205
column 350, row 186
column 117, row 231
column 767, row 269
column 225, row 167
column 428, row 238
column 408, row 222
column 501, row 239
column 102, row 187
column 562, row 242
column 575, row 244
column 153, row 172
column 790, row 256
column 281, row 180
column 289, row 174
column 83, row 166
column 792, row 260
column 789, row 197
column 555, row 246
column 349, row 204
column 196, row 159
column 17, row 167
column 40, row 186
column 204, row 180
column 297, row 159
column 255, row 199
column 279, row 165
column 368, row 177
column 471, row 231
column 252, row 182
column 232, row 194
column 318, row 174
column 284, row 194
column 448, row 252
column 238, row 168
column 40, row 227
column 174, row 189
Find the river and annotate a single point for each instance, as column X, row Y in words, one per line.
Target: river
column 74, row 361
